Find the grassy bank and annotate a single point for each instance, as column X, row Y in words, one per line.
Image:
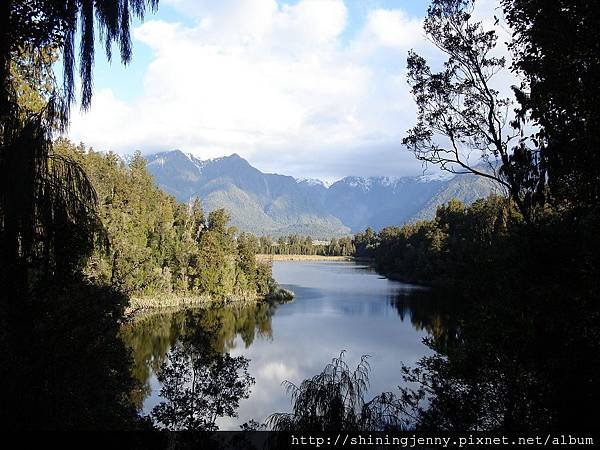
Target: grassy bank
column 161, row 302
column 263, row 258
column 175, row 301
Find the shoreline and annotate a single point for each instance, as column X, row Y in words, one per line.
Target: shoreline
column 166, row 302
column 141, row 306
column 267, row 257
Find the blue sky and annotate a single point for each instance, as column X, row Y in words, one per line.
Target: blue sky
column 310, row 88
column 125, row 80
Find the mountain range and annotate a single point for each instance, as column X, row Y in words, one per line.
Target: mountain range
column 277, row 205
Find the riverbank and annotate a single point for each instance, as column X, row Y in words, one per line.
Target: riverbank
column 163, row 302
column 267, row 258
column 177, row 301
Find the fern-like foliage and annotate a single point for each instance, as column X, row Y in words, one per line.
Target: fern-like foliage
column 334, row 400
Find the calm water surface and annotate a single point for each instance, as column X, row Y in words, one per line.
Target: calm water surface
column 338, row 306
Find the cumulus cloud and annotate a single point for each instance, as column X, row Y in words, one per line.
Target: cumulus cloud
column 277, row 371
column 272, row 82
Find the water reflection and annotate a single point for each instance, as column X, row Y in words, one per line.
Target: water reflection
column 200, row 383
column 429, row 310
column 151, row 336
column 337, row 306
column 507, row 361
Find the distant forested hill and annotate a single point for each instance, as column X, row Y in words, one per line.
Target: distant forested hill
column 276, row 205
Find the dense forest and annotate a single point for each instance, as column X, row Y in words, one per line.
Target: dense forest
column 459, row 240
column 304, row 245
column 81, row 231
column 154, row 245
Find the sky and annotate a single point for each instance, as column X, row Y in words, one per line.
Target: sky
column 309, row 88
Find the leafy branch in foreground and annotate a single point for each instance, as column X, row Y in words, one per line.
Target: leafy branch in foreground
column 335, row 400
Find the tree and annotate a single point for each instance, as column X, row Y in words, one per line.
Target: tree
column 365, row 243
column 189, row 224
column 334, row 400
column 346, row 246
column 266, row 245
column 199, row 383
column 53, row 321
column 247, row 246
column 47, row 205
column 32, row 78
column 459, row 112
column 567, row 114
column 56, row 25
column 156, row 245
column 218, row 220
column 334, row 248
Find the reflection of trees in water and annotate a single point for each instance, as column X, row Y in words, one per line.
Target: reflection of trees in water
column 510, row 365
column 151, row 337
column 429, row 310
column 504, row 359
column 246, row 321
column 199, row 382
column 500, row 362
column 63, row 365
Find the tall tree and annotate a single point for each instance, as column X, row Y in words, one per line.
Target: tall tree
column 47, row 205
column 460, row 113
column 53, row 322
column 57, row 24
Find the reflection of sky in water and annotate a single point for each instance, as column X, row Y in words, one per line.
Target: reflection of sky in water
column 338, row 306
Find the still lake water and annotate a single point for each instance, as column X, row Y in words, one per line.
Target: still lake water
column 338, row 306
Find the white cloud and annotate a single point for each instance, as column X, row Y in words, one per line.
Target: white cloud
column 272, row 83
column 277, row 371
column 395, row 29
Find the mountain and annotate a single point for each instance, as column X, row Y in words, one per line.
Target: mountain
column 276, row 205
column 379, row 201
column 261, row 203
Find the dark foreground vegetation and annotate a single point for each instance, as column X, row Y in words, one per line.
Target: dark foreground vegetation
column 80, row 231
column 522, row 350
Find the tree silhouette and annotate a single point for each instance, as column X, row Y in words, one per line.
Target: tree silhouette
column 49, row 224
column 56, row 25
column 459, row 113
column 559, row 92
column 334, row 400
column 199, row 383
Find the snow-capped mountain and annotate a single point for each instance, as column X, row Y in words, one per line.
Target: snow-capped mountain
column 313, row 182
column 272, row 204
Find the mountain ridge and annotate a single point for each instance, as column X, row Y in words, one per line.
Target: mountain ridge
column 274, row 204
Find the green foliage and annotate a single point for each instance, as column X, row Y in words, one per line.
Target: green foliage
column 457, row 242
column 295, row 244
column 57, row 24
column 32, row 79
column 156, row 245
column 559, row 94
column 334, row 401
column 366, row 242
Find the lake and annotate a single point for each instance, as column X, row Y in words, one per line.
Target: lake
column 338, row 306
